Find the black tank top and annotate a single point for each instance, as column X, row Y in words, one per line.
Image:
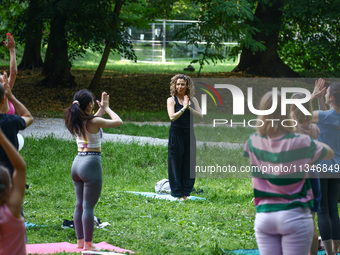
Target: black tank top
column 184, row 120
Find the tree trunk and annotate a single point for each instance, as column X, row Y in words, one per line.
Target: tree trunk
column 99, row 72
column 268, row 19
column 57, row 67
column 32, row 53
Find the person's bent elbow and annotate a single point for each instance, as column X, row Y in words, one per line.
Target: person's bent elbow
column 28, row 120
column 329, row 154
column 120, row 122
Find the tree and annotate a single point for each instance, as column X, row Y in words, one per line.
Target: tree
column 294, row 34
column 57, row 67
column 136, row 13
column 268, row 22
column 32, row 33
column 115, row 24
column 73, row 30
column 309, row 37
column 221, row 21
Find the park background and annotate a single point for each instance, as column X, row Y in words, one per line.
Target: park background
column 63, row 46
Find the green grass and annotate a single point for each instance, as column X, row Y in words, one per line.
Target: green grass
column 126, row 116
column 144, row 225
column 129, row 67
column 155, row 131
column 203, row 133
column 91, row 61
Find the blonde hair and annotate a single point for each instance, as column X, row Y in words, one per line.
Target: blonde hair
column 271, row 128
column 188, row 81
column 299, row 115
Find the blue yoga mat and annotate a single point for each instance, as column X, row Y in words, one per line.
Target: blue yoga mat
column 29, row 225
column 163, row 196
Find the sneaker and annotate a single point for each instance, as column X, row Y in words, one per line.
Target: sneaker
column 97, row 221
column 67, row 224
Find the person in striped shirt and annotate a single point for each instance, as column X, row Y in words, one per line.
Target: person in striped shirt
column 282, row 189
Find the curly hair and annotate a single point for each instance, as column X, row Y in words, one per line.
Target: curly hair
column 189, row 85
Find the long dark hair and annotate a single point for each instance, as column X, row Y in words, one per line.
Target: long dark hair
column 75, row 114
column 334, row 90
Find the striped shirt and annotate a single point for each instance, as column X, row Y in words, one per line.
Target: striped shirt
column 280, row 180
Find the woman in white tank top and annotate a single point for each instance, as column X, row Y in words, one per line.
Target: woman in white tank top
column 86, row 169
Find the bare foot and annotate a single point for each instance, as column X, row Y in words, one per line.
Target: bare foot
column 80, row 243
column 89, row 246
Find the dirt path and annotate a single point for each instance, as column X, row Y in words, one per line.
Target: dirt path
column 43, row 127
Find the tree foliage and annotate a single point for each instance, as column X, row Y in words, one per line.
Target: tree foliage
column 303, row 35
column 221, row 21
column 309, row 38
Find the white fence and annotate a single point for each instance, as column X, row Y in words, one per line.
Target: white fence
column 159, row 43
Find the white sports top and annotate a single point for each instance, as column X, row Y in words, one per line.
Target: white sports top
column 89, row 140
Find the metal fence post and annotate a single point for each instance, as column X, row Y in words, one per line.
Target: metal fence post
column 164, row 42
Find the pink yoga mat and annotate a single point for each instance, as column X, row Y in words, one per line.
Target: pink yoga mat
column 46, row 248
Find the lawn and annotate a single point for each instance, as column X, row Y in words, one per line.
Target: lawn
column 224, row 221
column 203, row 133
column 144, row 225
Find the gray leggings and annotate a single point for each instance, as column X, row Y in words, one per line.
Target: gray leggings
column 86, row 174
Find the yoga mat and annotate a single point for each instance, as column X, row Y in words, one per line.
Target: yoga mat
column 29, row 225
column 163, row 196
column 100, row 253
column 255, row 252
column 45, row 248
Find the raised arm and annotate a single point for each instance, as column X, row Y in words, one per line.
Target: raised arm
column 98, row 122
column 20, row 108
column 102, row 105
column 171, row 108
column 10, row 44
column 17, row 192
column 319, row 93
column 196, row 110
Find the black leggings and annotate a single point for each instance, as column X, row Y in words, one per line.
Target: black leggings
column 328, row 217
